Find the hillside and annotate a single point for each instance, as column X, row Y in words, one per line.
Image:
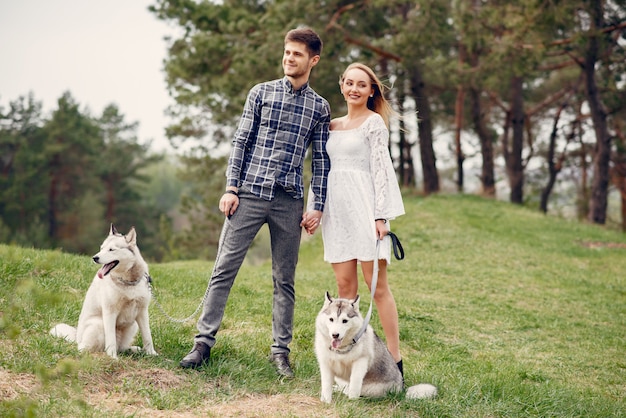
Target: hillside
column 509, row 312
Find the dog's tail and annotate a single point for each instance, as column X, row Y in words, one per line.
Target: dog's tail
column 421, row 391
column 64, row 331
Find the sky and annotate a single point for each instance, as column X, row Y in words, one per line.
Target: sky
column 102, row 52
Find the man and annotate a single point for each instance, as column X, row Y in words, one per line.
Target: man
column 281, row 119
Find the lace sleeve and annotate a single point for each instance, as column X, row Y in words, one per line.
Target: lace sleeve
column 388, row 197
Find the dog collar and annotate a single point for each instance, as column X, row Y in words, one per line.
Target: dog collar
column 135, row 283
column 345, row 350
column 126, row 282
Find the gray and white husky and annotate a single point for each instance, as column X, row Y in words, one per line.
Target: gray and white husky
column 116, row 303
column 365, row 368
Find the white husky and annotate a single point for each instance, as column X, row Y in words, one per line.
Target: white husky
column 364, row 368
column 116, row 303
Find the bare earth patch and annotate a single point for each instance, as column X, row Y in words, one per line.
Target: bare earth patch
column 270, row 406
column 105, row 395
column 248, row 406
column 13, row 385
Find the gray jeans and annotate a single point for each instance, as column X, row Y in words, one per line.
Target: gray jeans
column 283, row 216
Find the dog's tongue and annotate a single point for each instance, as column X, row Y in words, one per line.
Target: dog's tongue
column 336, row 343
column 105, row 269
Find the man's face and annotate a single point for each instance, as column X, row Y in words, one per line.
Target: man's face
column 296, row 60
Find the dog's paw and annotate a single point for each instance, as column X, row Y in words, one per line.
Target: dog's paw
column 354, row 395
column 341, row 388
column 111, row 352
column 326, row 397
column 151, row 351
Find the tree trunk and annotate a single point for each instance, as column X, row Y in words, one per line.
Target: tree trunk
column 553, row 168
column 583, row 202
column 458, row 116
column 487, row 176
column 600, row 183
column 427, row 153
column 407, row 178
column 407, row 169
column 515, row 168
column 458, row 121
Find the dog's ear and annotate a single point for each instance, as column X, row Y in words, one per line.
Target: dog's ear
column 131, row 237
column 328, row 299
column 113, row 231
column 355, row 302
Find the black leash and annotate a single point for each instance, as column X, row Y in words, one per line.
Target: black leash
column 398, row 251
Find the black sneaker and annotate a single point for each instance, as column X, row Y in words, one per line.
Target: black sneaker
column 199, row 355
column 401, row 367
column 281, row 363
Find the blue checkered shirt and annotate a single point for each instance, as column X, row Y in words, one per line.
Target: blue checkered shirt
column 277, row 127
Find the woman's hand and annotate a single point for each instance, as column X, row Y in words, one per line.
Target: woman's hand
column 381, row 228
column 311, row 220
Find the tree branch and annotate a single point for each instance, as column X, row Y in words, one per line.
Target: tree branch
column 351, row 40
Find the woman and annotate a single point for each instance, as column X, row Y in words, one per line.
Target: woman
column 363, row 195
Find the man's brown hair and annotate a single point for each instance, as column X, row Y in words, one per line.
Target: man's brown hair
column 308, row 37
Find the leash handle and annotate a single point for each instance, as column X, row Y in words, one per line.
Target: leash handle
column 398, row 251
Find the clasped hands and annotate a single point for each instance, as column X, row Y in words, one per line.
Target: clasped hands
column 311, row 220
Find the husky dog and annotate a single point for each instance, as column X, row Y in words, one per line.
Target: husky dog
column 116, row 303
column 361, row 368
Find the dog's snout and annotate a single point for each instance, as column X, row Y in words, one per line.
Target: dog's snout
column 335, row 336
column 95, row 258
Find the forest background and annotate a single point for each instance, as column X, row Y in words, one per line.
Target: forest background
column 523, row 101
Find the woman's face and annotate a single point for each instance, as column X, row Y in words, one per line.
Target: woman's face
column 356, row 87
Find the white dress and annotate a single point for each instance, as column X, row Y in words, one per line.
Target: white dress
column 362, row 187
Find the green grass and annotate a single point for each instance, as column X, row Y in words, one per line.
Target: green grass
column 509, row 312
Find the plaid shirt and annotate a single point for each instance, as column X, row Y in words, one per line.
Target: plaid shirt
column 277, row 126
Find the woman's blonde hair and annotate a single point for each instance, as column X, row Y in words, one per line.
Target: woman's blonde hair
column 378, row 103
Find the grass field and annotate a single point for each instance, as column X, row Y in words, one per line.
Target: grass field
column 508, row 312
